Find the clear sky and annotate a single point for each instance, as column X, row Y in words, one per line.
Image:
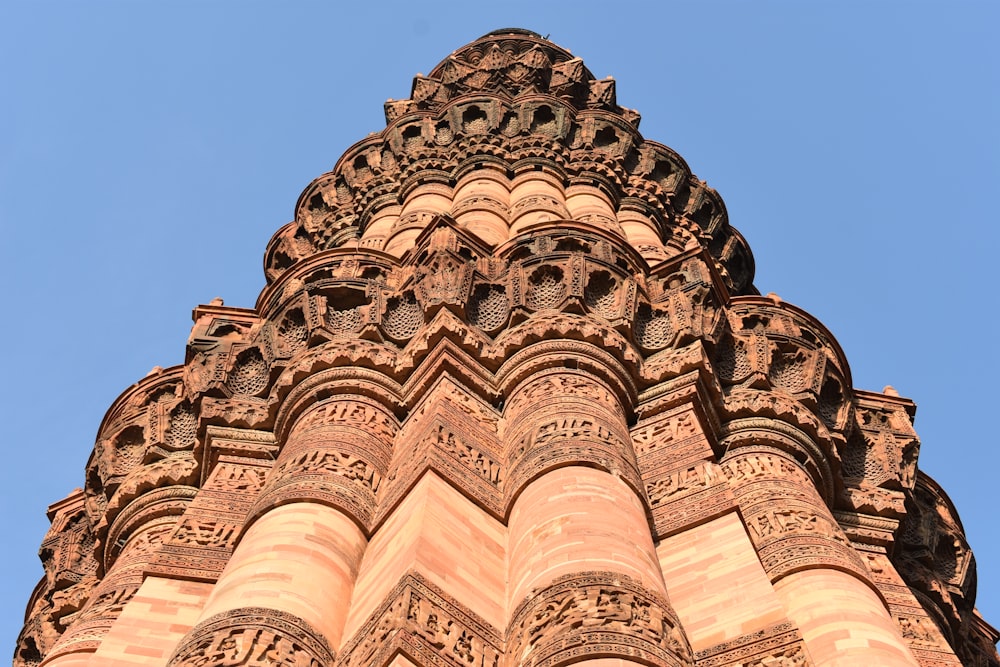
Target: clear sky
column 148, row 152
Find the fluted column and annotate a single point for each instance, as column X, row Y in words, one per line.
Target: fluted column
column 536, row 196
column 592, row 204
column 582, row 571
column 422, row 200
column 132, row 542
column 286, row 590
column 481, row 202
column 775, row 473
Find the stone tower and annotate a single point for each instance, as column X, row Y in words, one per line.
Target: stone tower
column 509, row 397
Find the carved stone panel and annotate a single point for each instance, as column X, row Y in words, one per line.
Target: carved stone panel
column 779, row 645
column 337, row 454
column 67, row 555
column 429, row 625
column 455, row 434
column 598, row 614
column 789, row 525
column 562, row 418
column 204, row 539
column 683, row 484
column 253, row 637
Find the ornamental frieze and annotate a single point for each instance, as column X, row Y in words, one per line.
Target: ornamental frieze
column 778, row 645
column 599, row 614
column 424, row 621
column 512, row 290
column 253, row 637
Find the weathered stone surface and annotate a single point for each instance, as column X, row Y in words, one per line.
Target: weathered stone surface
column 509, row 397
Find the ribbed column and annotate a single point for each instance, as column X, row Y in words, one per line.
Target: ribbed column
column 286, row 590
column 592, row 204
column 536, row 196
column 481, row 203
column 641, row 231
column 379, row 226
column 821, row 580
column 582, row 571
column 421, row 202
column 132, row 542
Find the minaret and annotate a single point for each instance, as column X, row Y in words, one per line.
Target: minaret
column 509, row 398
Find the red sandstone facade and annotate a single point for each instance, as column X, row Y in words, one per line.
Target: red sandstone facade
column 508, row 398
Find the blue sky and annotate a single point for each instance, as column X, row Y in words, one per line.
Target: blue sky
column 148, row 152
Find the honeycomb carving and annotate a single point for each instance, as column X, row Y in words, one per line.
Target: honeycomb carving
column 544, row 122
column 733, row 361
column 249, row 375
column 788, row 368
column 293, row 331
column 511, row 125
column 443, row 134
column 488, row 307
column 403, row 317
column 130, row 446
column 831, row 398
column 474, row 121
column 853, row 460
column 873, row 469
column 601, row 294
column 653, row 329
column 346, row 321
column 183, row 426
column 545, row 288
column 345, row 309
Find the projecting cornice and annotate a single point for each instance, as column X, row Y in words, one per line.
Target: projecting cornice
column 509, row 131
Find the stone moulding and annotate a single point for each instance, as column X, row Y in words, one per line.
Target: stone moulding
column 421, row 620
column 511, row 290
column 255, row 637
column 595, row 615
